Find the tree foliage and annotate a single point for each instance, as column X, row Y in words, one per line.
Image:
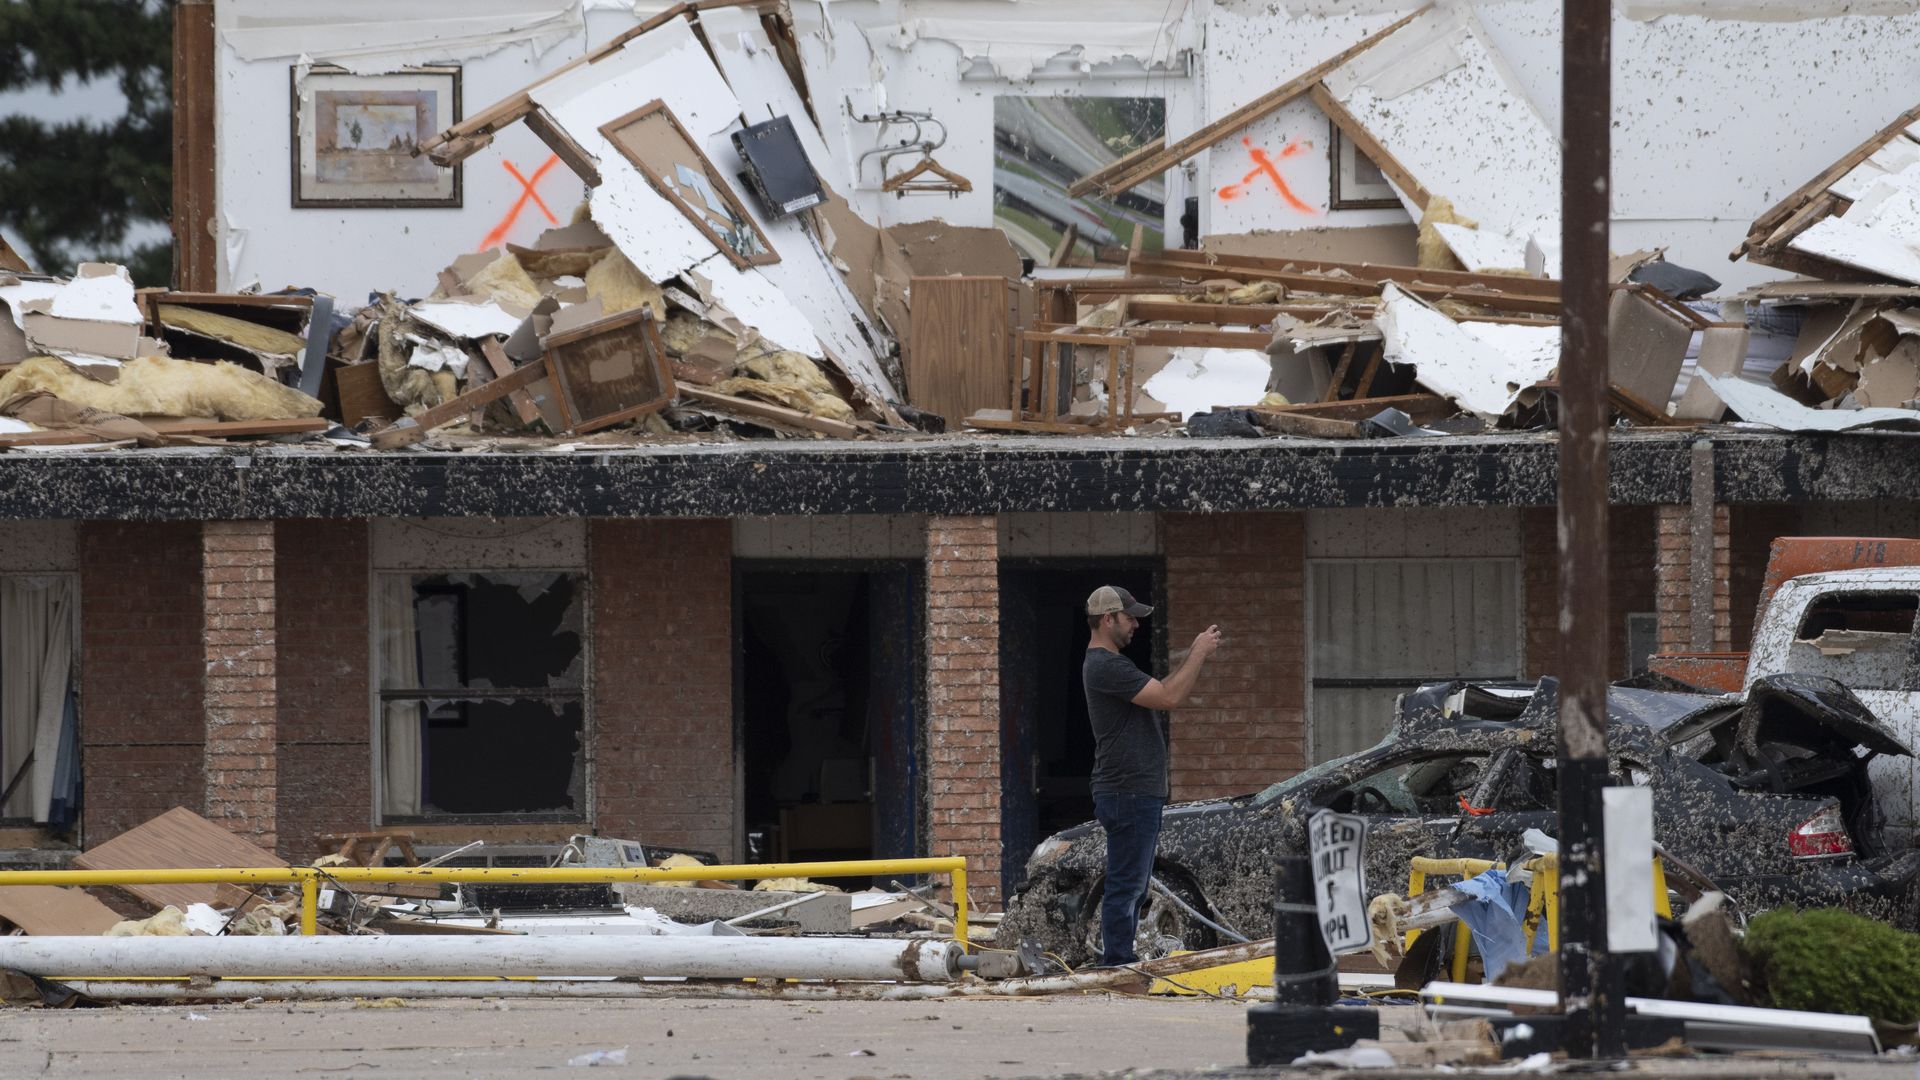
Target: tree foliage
column 70, row 191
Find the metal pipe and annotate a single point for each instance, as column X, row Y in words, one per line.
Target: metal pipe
column 1590, row 986
column 1132, row 979
column 952, row 865
column 377, row 955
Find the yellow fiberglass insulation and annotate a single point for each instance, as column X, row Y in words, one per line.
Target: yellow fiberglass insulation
column 504, row 279
column 796, row 373
column 412, row 388
column 620, row 286
column 1432, row 249
column 163, row 386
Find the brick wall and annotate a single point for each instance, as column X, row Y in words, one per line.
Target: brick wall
column 141, row 667
column 963, row 696
column 1244, row 726
column 325, row 740
column 1674, row 568
column 1630, row 583
column 242, row 689
column 662, row 744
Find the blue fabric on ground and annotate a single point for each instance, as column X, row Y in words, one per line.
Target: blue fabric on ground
column 1496, row 915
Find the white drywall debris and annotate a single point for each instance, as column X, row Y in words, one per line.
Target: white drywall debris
column 1438, row 96
column 100, row 292
column 1765, row 405
column 799, row 303
column 372, row 36
column 468, row 320
column 1479, row 250
column 435, row 357
column 1482, row 366
column 1859, row 246
column 12, row 296
column 1198, row 379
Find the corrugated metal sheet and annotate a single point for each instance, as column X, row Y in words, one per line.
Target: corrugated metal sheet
column 1407, row 621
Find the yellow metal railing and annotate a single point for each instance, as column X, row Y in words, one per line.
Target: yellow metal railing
column 1419, row 867
column 311, row 878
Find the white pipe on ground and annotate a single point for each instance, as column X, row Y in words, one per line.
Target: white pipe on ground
column 428, row 957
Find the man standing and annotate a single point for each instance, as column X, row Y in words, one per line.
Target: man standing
column 1129, row 755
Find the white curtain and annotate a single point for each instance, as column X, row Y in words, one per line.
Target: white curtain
column 400, row 720
column 36, row 657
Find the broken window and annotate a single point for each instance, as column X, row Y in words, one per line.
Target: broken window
column 1042, row 144
column 39, row 731
column 482, row 697
column 1381, row 627
column 1432, row 783
column 1863, row 640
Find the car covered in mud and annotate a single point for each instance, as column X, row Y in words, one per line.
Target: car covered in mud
column 1767, row 794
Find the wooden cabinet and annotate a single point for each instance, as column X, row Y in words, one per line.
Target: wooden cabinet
column 965, row 331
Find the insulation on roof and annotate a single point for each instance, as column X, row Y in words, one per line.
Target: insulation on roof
column 163, row 386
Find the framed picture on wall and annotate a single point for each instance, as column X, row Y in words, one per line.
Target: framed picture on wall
column 651, row 137
column 354, row 137
column 1357, row 183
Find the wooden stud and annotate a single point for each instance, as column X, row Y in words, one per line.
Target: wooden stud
column 1340, row 372
column 1365, row 143
column 1365, row 385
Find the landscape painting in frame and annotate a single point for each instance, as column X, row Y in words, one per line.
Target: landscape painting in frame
column 354, row 137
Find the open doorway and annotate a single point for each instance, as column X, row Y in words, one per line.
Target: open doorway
column 828, row 671
column 1046, row 742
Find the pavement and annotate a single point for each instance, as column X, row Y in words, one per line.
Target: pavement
column 1080, row 1036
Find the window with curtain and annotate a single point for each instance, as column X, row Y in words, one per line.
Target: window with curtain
column 39, row 729
column 482, row 703
column 1381, row 627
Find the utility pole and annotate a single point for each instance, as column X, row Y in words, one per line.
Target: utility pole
column 1590, row 984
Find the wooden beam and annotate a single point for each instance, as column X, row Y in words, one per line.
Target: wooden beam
column 1226, row 266
column 1089, row 183
column 1420, row 407
column 1347, row 286
column 1365, row 143
column 1783, row 209
column 1253, row 110
column 1063, row 250
column 195, row 180
column 412, row 429
column 1210, row 339
column 184, row 426
column 761, row 410
column 1340, row 372
column 501, row 365
column 572, row 154
column 462, row 139
column 1306, row 427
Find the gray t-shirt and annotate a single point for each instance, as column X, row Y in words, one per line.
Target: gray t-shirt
column 1129, row 751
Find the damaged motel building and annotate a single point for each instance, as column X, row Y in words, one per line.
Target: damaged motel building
column 703, row 423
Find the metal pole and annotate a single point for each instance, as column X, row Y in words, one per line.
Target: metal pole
column 1590, row 987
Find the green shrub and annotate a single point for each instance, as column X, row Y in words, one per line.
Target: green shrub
column 1836, row 962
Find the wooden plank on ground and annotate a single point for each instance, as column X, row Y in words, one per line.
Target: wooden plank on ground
column 1304, row 426
column 53, row 911
column 177, row 839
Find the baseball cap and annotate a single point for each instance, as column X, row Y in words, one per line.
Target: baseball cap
column 1109, row 598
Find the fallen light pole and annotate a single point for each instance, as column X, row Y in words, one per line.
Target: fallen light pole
column 1591, row 989
column 1302, row 1016
column 466, row 957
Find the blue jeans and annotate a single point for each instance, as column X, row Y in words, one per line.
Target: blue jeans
column 1133, row 829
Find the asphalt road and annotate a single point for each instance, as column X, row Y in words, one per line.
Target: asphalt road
column 1052, row 1037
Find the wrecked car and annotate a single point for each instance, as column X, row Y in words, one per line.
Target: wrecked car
column 1767, row 795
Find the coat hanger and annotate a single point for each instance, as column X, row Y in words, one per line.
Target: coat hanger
column 948, row 182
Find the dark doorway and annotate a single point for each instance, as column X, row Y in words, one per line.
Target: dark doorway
column 828, row 709
column 1046, row 743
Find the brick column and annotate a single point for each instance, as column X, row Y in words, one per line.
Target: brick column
column 142, row 664
column 663, row 648
column 1245, row 724
column 963, row 696
column 325, row 739
column 1693, row 579
column 241, row 688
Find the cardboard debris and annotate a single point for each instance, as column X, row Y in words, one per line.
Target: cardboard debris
column 53, row 911
column 177, row 838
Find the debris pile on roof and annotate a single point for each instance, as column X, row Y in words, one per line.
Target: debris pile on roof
column 1854, row 360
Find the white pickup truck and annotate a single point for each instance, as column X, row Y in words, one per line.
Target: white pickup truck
column 1844, row 608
